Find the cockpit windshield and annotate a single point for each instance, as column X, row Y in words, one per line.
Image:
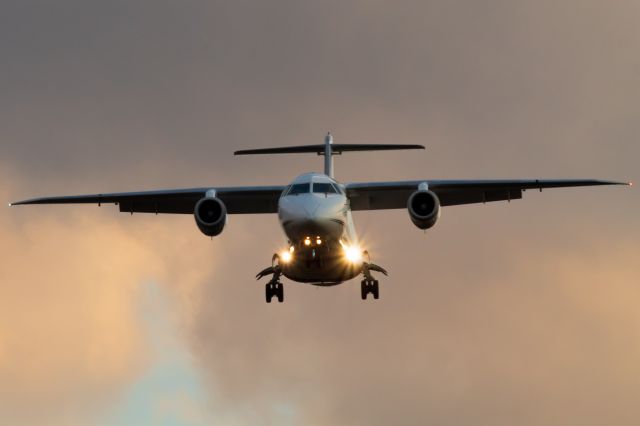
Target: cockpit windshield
column 299, row 188
column 324, row 188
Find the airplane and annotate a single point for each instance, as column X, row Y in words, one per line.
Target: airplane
column 315, row 212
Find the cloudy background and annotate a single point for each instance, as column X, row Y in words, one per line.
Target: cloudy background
column 523, row 313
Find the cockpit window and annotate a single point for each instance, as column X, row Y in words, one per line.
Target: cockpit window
column 299, row 188
column 324, row 188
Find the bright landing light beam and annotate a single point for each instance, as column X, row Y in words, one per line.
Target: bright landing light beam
column 286, row 256
column 353, row 254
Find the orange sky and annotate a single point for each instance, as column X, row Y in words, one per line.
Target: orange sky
column 521, row 313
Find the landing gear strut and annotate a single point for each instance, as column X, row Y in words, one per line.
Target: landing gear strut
column 274, row 287
column 370, row 285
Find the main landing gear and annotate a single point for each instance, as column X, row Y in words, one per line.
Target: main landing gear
column 274, row 287
column 370, row 285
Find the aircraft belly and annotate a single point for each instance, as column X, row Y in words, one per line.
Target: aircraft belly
column 322, row 277
column 321, row 269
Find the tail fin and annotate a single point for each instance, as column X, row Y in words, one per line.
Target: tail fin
column 328, row 149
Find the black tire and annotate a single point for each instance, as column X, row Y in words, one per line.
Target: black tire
column 364, row 290
column 280, row 292
column 268, row 293
column 375, row 290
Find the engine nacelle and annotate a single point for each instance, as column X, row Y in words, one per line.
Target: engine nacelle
column 424, row 209
column 211, row 216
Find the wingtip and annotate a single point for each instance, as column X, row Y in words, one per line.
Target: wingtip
column 619, row 182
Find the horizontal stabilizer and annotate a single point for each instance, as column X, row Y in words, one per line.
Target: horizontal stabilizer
column 336, row 148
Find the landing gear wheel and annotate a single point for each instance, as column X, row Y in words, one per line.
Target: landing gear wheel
column 375, row 290
column 280, row 292
column 369, row 286
column 274, row 289
column 268, row 291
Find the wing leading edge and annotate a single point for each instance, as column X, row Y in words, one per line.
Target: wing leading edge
column 238, row 200
column 394, row 195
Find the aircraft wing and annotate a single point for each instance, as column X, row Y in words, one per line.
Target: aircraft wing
column 247, row 199
column 394, row 195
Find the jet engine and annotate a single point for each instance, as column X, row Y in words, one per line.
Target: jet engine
column 424, row 209
column 211, row 216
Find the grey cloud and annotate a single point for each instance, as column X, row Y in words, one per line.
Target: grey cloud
column 510, row 313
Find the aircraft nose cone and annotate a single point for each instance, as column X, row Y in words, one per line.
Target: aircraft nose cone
column 311, row 216
column 307, row 211
column 311, row 212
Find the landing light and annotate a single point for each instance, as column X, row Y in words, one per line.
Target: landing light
column 307, row 242
column 286, row 256
column 353, row 254
column 318, row 241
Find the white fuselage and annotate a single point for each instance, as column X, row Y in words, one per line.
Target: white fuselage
column 315, row 215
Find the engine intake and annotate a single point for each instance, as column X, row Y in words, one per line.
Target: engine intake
column 211, row 216
column 424, row 209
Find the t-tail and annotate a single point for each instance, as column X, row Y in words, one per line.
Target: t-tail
column 328, row 149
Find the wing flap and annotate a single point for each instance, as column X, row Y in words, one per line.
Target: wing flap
column 457, row 197
column 178, row 205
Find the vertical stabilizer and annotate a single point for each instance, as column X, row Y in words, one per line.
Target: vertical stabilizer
column 328, row 155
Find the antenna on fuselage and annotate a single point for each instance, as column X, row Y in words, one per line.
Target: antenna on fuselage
column 328, row 149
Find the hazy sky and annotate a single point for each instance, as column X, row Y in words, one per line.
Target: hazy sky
column 523, row 313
